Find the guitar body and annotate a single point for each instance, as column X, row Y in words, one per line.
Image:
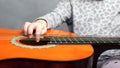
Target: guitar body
column 44, row 56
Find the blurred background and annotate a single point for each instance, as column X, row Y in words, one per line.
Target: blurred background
column 14, row 13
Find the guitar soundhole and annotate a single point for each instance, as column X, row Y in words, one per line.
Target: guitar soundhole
column 32, row 42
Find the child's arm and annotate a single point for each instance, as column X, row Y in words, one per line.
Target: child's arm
column 59, row 15
column 50, row 20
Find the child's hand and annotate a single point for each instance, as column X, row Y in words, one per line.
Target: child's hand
column 40, row 27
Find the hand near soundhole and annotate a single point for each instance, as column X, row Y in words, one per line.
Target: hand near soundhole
column 39, row 26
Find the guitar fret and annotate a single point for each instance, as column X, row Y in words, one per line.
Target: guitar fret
column 64, row 40
column 100, row 40
column 59, row 40
column 95, row 40
column 76, row 40
column 70, row 40
column 80, row 39
column 53, row 40
column 110, row 40
column 116, row 40
column 73, row 40
column 88, row 41
column 92, row 40
column 105, row 40
column 83, row 40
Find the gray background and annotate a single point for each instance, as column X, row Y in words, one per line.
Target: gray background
column 14, row 13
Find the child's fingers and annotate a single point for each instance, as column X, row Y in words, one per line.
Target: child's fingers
column 25, row 27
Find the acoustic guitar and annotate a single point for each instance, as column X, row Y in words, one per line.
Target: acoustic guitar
column 58, row 49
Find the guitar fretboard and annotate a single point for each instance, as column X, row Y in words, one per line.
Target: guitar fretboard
column 75, row 40
column 83, row 40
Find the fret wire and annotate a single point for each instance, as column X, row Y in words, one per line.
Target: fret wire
column 95, row 40
column 117, row 39
column 69, row 39
column 88, row 40
column 59, row 39
column 64, row 40
column 76, row 39
column 81, row 39
column 72, row 38
column 110, row 40
column 91, row 40
column 101, row 40
column 50, row 42
column 54, row 39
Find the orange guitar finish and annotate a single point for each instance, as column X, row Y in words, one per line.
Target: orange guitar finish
column 56, row 53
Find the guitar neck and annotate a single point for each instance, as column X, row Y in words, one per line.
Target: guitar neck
column 75, row 40
column 83, row 40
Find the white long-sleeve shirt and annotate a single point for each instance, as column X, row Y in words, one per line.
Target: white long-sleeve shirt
column 90, row 17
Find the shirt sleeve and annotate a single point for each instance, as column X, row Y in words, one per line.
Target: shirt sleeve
column 59, row 14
